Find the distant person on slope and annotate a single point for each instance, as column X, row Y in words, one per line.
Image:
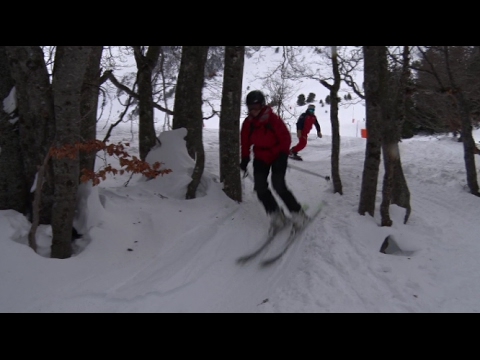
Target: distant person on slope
column 304, row 124
column 271, row 140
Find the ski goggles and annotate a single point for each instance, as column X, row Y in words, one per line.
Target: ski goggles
column 254, row 107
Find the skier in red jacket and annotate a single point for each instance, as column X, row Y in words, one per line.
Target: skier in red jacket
column 304, row 124
column 271, row 140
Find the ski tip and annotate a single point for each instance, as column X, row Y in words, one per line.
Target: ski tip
column 267, row 263
column 242, row 261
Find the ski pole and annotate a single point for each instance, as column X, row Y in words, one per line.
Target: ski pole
column 246, row 174
column 327, row 178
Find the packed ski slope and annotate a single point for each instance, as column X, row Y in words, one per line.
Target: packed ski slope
column 147, row 249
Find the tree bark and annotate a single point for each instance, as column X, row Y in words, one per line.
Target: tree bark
column 71, row 64
column 188, row 94
column 390, row 160
column 188, row 108
column 89, row 106
column 13, row 187
column 374, row 58
column 145, row 65
column 36, row 119
column 390, row 137
column 468, row 143
column 229, row 133
column 335, row 159
column 400, row 191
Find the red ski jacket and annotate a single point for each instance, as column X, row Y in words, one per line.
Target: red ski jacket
column 305, row 123
column 267, row 133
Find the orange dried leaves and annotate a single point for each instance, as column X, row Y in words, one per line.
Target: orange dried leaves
column 129, row 163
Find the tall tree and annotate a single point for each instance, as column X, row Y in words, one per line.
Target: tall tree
column 230, row 121
column 188, row 108
column 395, row 189
column 13, row 186
column 436, row 108
column 71, row 64
column 333, row 88
column 89, row 106
column 36, row 120
column 466, row 125
column 375, row 71
column 146, row 62
column 449, row 77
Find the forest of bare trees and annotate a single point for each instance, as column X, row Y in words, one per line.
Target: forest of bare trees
column 48, row 139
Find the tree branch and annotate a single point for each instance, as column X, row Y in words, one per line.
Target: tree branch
column 327, row 85
column 109, row 75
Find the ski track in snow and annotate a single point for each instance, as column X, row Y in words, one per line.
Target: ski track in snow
column 326, row 246
column 312, row 265
column 156, row 276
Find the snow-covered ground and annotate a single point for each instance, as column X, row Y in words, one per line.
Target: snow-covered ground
column 147, row 249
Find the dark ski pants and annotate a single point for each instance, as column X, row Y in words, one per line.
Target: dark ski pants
column 260, row 177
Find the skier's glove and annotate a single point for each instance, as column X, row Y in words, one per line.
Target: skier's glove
column 319, row 134
column 244, row 163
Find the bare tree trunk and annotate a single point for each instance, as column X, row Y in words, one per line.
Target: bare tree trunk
column 188, row 94
column 166, row 123
column 335, row 159
column 197, row 174
column 32, row 241
column 145, row 65
column 390, row 160
column 395, row 189
column 400, row 192
column 374, row 56
column 188, row 108
column 390, row 137
column 89, row 105
column 36, row 118
column 468, row 144
column 13, row 186
column 69, row 73
column 467, row 137
column 230, row 122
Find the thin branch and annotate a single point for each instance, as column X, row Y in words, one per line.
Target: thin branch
column 432, row 71
column 107, row 135
column 109, row 75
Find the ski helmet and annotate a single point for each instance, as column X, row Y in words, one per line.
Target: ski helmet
column 255, row 97
column 311, row 106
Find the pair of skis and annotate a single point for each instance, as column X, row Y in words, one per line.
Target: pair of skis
column 293, row 235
